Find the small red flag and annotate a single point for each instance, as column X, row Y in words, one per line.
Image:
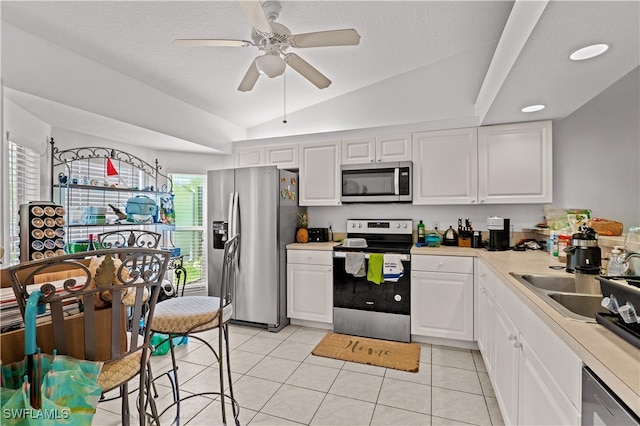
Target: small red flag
column 111, row 170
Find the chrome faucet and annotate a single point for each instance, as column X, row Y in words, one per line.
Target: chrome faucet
column 624, row 257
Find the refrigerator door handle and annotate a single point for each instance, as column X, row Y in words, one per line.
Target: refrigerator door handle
column 236, row 223
column 230, row 216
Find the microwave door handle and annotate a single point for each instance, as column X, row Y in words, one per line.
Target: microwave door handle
column 396, row 181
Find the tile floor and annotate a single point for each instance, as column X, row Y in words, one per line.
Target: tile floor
column 278, row 382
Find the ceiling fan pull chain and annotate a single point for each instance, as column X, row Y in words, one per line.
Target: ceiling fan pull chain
column 284, row 82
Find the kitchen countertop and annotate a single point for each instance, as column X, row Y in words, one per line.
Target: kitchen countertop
column 328, row 246
column 614, row 360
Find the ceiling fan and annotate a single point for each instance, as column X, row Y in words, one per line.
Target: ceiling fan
column 274, row 39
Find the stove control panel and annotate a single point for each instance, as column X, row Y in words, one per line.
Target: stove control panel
column 380, row 226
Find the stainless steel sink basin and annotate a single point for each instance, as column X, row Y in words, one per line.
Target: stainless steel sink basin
column 566, row 284
column 584, row 305
column 559, row 292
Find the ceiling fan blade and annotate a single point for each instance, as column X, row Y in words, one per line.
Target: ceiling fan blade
column 256, row 16
column 349, row 37
column 212, row 42
column 307, row 71
column 250, row 78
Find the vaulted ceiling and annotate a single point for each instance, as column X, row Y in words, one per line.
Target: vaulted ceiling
column 111, row 66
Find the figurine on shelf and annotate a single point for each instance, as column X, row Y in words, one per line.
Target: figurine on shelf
column 121, row 215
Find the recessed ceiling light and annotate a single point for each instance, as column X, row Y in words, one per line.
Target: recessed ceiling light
column 589, row 52
column 532, row 108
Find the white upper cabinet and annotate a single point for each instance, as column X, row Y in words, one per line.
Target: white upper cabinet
column 445, row 167
column 283, row 156
column 515, row 163
column 320, row 173
column 358, row 151
column 377, row 149
column 249, row 157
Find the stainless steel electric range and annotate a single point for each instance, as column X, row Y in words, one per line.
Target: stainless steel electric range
column 361, row 307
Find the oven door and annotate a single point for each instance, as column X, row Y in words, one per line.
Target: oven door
column 358, row 293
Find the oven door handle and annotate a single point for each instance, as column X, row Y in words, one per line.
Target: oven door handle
column 343, row 254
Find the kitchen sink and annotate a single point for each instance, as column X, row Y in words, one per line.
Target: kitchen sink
column 585, row 305
column 559, row 292
column 566, row 284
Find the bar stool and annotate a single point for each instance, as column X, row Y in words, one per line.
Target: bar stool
column 187, row 316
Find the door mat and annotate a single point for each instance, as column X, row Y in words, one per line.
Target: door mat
column 396, row 355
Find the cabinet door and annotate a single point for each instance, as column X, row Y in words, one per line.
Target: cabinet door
column 445, row 167
column 320, row 174
column 483, row 320
column 358, row 151
column 514, row 163
column 505, row 365
column 393, row 147
column 248, row 157
column 442, row 305
column 310, row 292
column 283, row 156
column 541, row 401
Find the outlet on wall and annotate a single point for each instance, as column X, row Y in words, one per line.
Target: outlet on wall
column 436, row 224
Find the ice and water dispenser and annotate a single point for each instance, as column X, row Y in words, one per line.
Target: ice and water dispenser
column 220, row 233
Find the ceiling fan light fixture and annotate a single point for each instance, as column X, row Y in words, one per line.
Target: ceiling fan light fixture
column 589, row 52
column 270, row 65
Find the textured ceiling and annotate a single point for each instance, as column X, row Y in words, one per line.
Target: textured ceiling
column 419, row 61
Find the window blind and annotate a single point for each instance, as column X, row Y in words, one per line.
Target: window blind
column 24, row 186
column 188, row 203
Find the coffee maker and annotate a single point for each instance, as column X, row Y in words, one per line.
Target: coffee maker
column 499, row 233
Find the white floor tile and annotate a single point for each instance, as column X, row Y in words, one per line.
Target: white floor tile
column 292, row 350
column 281, row 335
column 314, row 377
column 324, row 361
column 274, row 369
column 485, row 382
column 262, row 419
column 456, row 379
column 389, row 416
column 439, row 421
column 307, row 335
column 253, row 393
column 477, row 358
column 425, row 352
column 452, row 357
column 211, row 415
column 406, row 395
column 259, row 345
column 242, row 361
column 294, row 403
column 364, row 368
column 357, row 386
column 494, row 411
column 337, row 410
column 462, row 406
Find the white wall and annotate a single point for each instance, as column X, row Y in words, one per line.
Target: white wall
column 597, row 154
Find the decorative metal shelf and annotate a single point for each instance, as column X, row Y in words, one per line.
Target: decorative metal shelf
column 92, row 225
column 107, row 188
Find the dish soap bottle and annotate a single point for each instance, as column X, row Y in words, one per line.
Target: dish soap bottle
column 421, row 239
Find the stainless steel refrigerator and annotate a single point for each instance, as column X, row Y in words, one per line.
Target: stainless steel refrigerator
column 261, row 204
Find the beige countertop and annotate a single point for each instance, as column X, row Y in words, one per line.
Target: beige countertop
column 614, row 360
column 312, row 246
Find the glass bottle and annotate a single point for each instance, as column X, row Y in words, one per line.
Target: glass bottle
column 421, row 239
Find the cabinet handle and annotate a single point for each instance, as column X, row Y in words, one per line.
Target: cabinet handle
column 512, row 336
column 517, row 344
column 482, row 201
column 372, row 160
column 473, row 201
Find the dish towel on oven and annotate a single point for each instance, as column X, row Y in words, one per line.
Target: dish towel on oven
column 354, row 264
column 392, row 269
column 374, row 272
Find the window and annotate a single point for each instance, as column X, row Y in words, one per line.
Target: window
column 189, row 234
column 24, row 186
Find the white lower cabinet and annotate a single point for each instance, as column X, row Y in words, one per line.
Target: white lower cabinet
column 442, row 297
column 535, row 376
column 310, row 285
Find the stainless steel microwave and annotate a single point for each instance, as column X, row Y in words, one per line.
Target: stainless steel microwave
column 377, row 183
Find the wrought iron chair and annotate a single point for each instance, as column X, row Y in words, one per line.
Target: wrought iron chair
column 129, row 238
column 85, row 312
column 187, row 316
